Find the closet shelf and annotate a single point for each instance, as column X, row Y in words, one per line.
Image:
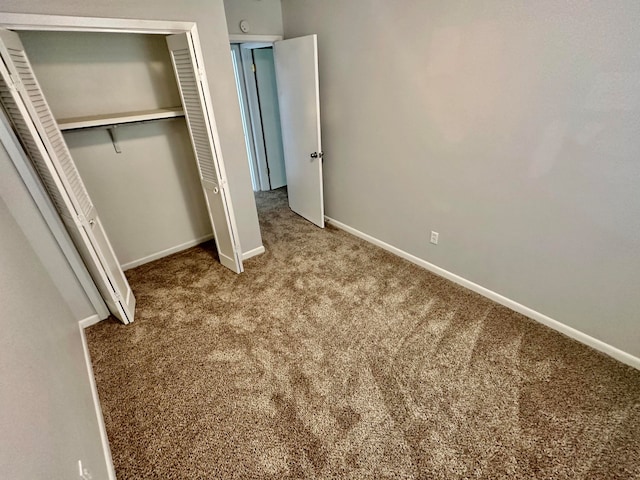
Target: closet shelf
column 114, row 119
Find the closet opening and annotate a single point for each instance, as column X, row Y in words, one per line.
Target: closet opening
column 117, row 103
column 133, row 101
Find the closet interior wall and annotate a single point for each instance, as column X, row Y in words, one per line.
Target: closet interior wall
column 149, row 195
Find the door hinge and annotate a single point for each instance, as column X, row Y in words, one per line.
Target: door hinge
column 14, row 82
column 253, row 67
column 117, row 295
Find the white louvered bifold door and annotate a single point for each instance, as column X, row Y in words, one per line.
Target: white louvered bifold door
column 199, row 116
column 26, row 107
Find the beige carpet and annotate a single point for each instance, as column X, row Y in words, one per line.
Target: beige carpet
column 330, row 358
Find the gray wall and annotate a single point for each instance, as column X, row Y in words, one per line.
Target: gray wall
column 264, row 16
column 148, row 196
column 217, row 61
column 47, row 416
column 511, row 128
column 102, row 73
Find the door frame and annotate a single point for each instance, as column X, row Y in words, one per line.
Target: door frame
column 256, row 129
column 257, row 179
column 252, row 121
column 64, row 23
column 267, row 39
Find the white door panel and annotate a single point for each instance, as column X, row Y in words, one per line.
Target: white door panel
column 111, row 264
column 296, row 62
column 222, row 235
column 198, row 113
column 119, row 307
column 24, row 102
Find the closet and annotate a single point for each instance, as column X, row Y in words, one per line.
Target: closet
column 135, row 159
column 157, row 116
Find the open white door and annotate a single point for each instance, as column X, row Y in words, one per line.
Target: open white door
column 194, row 93
column 296, row 63
column 26, row 107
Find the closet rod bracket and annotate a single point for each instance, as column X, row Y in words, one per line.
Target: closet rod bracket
column 114, row 137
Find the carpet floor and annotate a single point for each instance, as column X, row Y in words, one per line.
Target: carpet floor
column 331, row 358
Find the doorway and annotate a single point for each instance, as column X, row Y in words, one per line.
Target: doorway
column 255, row 73
column 278, row 92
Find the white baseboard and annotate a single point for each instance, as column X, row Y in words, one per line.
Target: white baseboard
column 164, row 253
column 581, row 337
column 253, row 253
column 87, row 322
column 96, row 400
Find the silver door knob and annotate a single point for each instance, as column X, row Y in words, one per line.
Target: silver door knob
column 317, row 155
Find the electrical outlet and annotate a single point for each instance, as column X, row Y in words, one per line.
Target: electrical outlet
column 434, row 237
column 84, row 473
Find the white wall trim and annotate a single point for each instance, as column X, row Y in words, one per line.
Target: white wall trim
column 166, row 252
column 96, row 400
column 253, row 253
column 581, row 337
column 241, row 38
column 87, row 322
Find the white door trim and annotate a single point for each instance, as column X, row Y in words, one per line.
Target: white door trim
column 240, row 38
column 28, row 21
column 246, row 116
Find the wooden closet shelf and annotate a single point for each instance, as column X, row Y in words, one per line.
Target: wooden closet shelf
column 119, row 118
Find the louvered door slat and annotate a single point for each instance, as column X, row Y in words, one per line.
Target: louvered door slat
column 53, row 134
column 193, row 108
column 32, row 150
